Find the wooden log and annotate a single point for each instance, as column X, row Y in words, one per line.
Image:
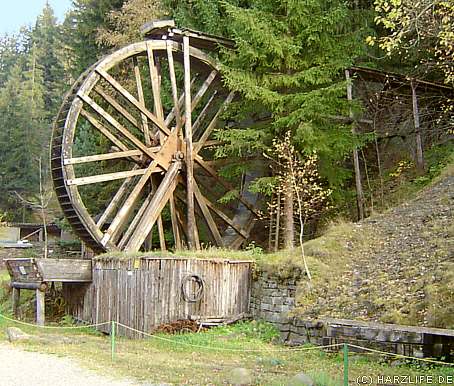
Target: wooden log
column 40, row 307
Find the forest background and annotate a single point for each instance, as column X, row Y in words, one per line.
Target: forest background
column 288, row 66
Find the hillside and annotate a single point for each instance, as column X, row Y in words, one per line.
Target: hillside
column 396, row 267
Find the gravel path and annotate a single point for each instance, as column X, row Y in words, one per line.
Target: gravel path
column 22, row 368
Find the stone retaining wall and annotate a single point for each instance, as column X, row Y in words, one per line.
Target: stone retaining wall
column 273, row 299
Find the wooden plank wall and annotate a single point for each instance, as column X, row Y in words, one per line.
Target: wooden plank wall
column 146, row 293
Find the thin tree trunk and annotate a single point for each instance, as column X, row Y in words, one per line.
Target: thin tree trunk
column 289, row 225
column 43, row 213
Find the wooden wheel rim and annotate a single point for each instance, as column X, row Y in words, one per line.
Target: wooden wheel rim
column 63, row 172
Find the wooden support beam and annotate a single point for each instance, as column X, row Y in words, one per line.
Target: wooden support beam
column 419, row 147
column 189, row 147
column 151, row 214
column 105, row 177
column 40, row 307
column 16, row 302
column 359, row 187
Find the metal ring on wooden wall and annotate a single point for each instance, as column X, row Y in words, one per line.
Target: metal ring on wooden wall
column 197, row 294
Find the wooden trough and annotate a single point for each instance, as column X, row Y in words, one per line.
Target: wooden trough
column 35, row 274
column 147, row 292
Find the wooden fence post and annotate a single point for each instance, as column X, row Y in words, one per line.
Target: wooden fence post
column 359, row 187
column 40, row 307
column 419, row 147
column 15, row 301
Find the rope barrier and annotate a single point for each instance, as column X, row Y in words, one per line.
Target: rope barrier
column 400, row 355
column 288, row 350
column 52, row 327
column 226, row 348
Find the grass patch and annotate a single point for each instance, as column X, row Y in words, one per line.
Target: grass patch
column 152, row 360
column 208, row 253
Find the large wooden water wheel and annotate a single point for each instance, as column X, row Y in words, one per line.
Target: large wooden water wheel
column 140, row 122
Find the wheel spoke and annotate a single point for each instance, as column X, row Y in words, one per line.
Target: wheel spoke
column 137, row 142
column 115, row 201
column 98, row 125
column 154, row 76
column 175, row 227
column 225, row 218
column 109, row 99
column 208, row 217
column 145, row 128
column 180, row 105
column 224, row 183
column 103, row 157
column 118, row 222
column 105, row 177
column 203, row 113
column 135, row 221
column 117, row 86
column 213, row 123
column 173, row 82
column 154, row 208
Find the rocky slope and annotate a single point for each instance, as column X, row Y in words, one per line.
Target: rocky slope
column 397, row 267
